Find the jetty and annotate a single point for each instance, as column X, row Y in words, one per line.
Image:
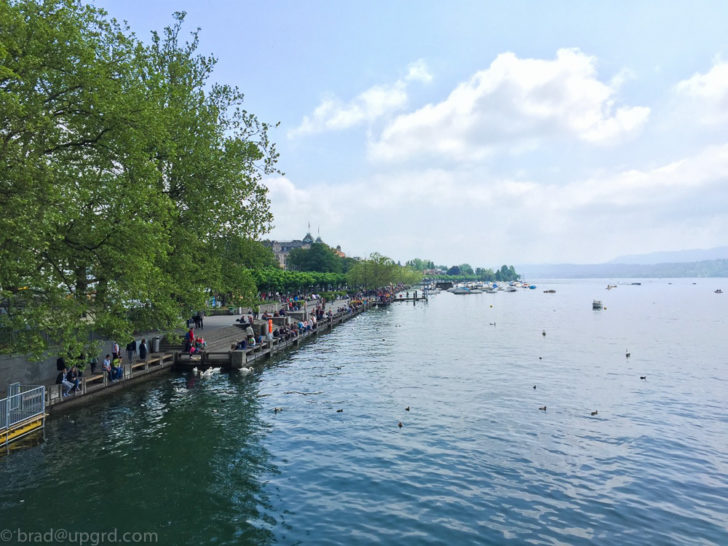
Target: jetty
column 415, row 296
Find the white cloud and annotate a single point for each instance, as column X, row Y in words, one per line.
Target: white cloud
column 418, row 71
column 455, row 216
column 707, row 94
column 514, row 102
column 333, row 114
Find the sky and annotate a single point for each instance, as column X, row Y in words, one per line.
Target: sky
column 481, row 132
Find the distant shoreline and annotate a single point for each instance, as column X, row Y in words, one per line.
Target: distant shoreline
column 702, row 269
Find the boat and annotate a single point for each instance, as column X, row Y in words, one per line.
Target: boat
column 596, row 304
column 719, row 291
column 549, row 291
column 461, row 290
column 610, row 286
column 511, row 289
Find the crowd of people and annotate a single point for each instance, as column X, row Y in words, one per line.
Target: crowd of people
column 293, row 328
column 194, row 345
column 70, row 377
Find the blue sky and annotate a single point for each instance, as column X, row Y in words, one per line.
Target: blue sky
column 482, row 132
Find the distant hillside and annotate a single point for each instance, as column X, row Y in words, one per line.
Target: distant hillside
column 705, row 268
column 677, row 256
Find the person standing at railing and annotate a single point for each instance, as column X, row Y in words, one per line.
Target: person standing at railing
column 116, row 371
column 143, row 350
column 107, row 367
column 131, row 350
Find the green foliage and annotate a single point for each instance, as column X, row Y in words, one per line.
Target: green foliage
column 420, row 265
column 273, row 279
column 238, row 257
column 379, row 271
column 122, row 167
column 317, row 258
column 505, row 274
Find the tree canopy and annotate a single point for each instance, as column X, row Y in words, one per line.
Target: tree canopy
column 125, row 172
column 320, row 257
column 378, row 271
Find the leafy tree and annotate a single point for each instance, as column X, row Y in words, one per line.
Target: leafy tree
column 317, row 258
column 454, row 270
column 210, row 163
column 240, row 255
column 122, row 167
column 484, row 274
column 379, row 271
column 465, row 269
column 506, row 274
column 420, row 265
column 79, row 238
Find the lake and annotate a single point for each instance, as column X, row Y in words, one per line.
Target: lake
column 210, row 460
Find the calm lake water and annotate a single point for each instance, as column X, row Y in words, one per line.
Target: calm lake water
column 475, row 462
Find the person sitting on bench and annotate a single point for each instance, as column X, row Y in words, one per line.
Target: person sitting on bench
column 61, row 380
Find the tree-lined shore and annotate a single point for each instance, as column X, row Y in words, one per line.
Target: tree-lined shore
column 132, row 187
column 127, row 176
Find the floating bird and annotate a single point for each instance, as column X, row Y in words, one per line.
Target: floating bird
column 594, row 412
column 534, row 387
column 339, row 411
column 627, row 354
column 643, row 377
column 400, row 425
column 540, row 358
column 543, row 333
column 406, row 409
column 542, row 408
column 277, row 410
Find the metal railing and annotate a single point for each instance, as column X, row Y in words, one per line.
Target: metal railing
column 24, row 402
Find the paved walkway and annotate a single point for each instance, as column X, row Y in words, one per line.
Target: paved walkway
column 220, row 331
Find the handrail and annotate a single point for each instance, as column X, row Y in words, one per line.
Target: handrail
column 27, row 402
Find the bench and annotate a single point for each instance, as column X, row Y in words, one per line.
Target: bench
column 139, row 364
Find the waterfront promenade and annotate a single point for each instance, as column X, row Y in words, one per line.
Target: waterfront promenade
column 219, row 331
